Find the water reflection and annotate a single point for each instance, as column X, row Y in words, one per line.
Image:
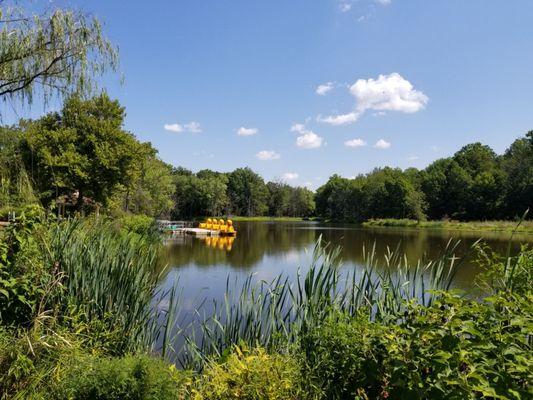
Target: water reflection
column 203, row 267
column 267, row 249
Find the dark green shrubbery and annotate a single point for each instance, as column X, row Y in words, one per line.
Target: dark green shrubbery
column 126, row 378
column 455, row 349
column 137, row 223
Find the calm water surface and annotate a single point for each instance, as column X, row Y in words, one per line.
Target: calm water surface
column 267, row 249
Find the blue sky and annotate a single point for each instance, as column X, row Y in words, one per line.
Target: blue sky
column 322, row 86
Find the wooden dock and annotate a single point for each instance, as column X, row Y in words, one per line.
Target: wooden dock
column 200, row 232
column 185, row 228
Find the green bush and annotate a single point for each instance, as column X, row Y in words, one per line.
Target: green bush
column 140, row 224
column 251, row 374
column 455, row 349
column 128, row 378
column 23, row 276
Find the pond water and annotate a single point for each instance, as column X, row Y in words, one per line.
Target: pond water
column 267, row 249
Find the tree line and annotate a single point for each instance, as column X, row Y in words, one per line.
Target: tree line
column 81, row 159
column 474, row 184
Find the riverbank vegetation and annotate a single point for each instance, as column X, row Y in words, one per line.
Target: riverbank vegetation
column 81, row 318
column 490, row 226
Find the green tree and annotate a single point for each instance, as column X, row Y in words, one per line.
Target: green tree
column 203, row 194
column 82, row 149
column 247, row 193
column 485, row 193
column 15, row 187
column 150, row 187
column 301, row 202
column 517, row 164
column 278, row 199
column 50, row 54
column 446, row 188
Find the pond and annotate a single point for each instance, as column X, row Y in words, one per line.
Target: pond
column 267, row 249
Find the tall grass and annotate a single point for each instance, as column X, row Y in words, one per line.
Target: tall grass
column 107, row 278
column 271, row 314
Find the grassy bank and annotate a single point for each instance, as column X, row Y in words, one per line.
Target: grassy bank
column 489, row 226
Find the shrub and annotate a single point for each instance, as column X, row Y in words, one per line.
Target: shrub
column 140, row 224
column 251, row 374
column 126, row 378
column 23, row 277
column 455, row 349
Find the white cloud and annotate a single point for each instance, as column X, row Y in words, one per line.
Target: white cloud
column 307, row 139
column 267, row 155
column 412, row 158
column 289, row 176
column 384, row 2
column 355, row 143
column 242, row 131
column 177, row 128
column 342, row 119
column 388, row 93
column 298, row 128
column 382, row 144
column 323, row 89
column 345, row 7
column 193, row 127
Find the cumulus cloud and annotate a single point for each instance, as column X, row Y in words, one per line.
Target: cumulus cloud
column 177, row 128
column 289, row 176
column 323, row 89
column 342, row 119
column 307, row 139
column 242, row 131
column 355, row 143
column 193, row 127
column 382, row 144
column 386, row 93
column 267, row 155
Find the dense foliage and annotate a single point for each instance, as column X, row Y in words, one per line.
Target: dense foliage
column 240, row 192
column 474, row 184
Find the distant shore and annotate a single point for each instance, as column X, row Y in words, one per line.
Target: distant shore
column 266, row 219
column 494, row 226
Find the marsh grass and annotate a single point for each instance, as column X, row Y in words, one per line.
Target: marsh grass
column 106, row 279
column 276, row 313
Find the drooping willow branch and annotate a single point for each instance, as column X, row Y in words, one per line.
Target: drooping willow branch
column 52, row 54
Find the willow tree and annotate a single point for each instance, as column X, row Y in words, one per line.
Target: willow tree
column 50, row 54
